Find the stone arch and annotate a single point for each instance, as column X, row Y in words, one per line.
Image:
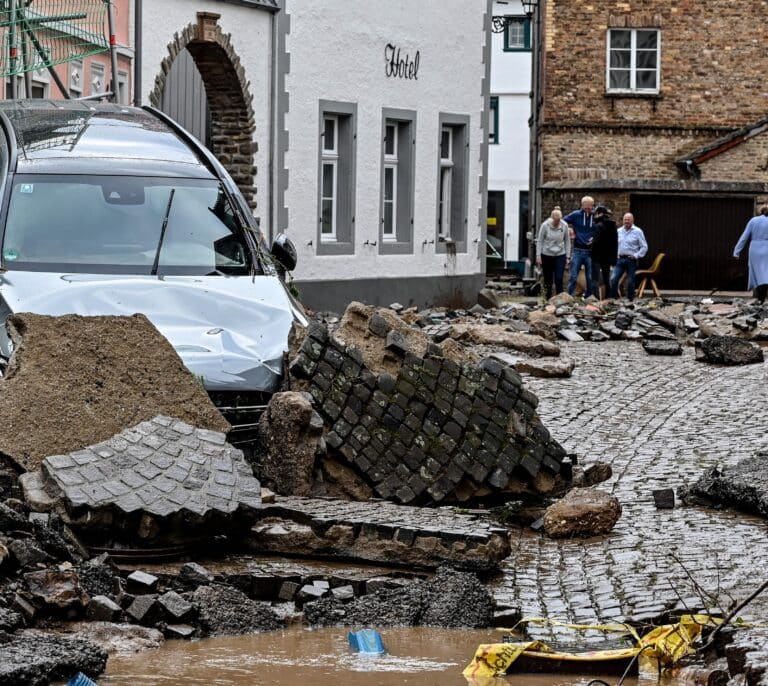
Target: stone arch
column 232, row 120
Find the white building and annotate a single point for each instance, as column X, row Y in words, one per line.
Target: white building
column 509, row 137
column 368, row 127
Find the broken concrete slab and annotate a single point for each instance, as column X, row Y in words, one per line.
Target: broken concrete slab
column 379, row 532
column 160, row 482
column 119, row 639
column 662, row 347
column 743, row 486
column 497, row 335
column 56, row 590
column 728, row 350
column 582, row 512
column 75, row 381
column 560, row 368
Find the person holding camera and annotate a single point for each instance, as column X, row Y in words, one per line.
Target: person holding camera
column 604, row 249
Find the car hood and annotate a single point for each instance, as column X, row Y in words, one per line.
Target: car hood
column 230, row 331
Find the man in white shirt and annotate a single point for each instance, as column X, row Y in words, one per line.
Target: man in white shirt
column 632, row 247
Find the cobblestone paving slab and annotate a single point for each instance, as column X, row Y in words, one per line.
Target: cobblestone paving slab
column 379, row 532
column 659, row 422
column 161, row 467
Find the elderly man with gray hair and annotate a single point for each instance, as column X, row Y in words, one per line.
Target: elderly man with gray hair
column 583, row 224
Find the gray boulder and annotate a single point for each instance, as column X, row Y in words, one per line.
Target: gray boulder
column 729, row 350
column 582, row 512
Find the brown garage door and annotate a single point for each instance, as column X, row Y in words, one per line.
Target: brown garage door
column 698, row 235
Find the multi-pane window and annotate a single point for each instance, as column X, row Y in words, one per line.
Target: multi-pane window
column 389, row 200
column 493, row 121
column 446, row 182
column 329, row 178
column 633, row 60
column 336, row 183
column 517, row 34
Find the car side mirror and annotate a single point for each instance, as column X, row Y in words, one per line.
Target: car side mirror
column 284, row 251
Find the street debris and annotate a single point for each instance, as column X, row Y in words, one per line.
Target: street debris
column 728, row 350
column 424, row 428
column 76, row 381
column 366, row 641
column 161, row 482
column 451, row 599
column 582, row 512
column 743, row 486
column 379, row 532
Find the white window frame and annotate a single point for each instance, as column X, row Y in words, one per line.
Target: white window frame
column 632, row 63
column 446, row 183
column 390, row 162
column 330, row 157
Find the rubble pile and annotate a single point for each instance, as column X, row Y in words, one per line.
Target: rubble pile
column 451, row 599
column 425, row 428
column 76, row 381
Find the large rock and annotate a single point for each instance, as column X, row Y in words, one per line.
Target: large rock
column 488, row 299
column 75, row 381
column 729, row 350
column 36, row 659
column 582, row 512
column 160, row 482
column 663, row 347
column 225, row 611
column 291, row 432
column 56, row 590
column 744, row 486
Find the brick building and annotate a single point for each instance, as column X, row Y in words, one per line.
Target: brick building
column 659, row 108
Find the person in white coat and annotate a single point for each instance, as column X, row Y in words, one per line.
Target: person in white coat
column 756, row 232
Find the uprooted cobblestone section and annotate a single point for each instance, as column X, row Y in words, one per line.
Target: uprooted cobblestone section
column 379, row 532
column 160, row 481
column 439, row 432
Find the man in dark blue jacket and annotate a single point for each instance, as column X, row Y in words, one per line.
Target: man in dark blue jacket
column 583, row 224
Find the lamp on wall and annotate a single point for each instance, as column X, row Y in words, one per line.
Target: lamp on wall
column 529, row 7
column 499, row 24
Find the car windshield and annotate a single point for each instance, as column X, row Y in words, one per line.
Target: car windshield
column 114, row 224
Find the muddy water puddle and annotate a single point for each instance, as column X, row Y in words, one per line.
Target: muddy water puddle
column 321, row 657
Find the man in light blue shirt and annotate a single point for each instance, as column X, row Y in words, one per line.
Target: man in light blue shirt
column 632, row 246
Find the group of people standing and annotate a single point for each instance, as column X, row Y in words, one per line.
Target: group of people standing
column 589, row 238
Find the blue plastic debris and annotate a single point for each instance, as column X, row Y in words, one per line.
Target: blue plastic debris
column 80, row 680
column 367, row 641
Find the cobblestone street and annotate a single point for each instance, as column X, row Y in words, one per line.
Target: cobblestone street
column 659, row 422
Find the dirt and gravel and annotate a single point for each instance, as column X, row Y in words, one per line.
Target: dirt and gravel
column 75, row 381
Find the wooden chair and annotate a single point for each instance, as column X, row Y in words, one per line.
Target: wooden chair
column 647, row 275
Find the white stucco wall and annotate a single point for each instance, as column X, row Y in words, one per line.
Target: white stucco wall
column 336, row 52
column 251, row 31
column 508, row 161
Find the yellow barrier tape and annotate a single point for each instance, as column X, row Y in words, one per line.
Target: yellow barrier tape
column 494, row 659
column 663, row 646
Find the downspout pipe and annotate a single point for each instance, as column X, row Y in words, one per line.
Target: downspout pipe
column 138, row 20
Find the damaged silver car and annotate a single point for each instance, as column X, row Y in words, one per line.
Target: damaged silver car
column 112, row 210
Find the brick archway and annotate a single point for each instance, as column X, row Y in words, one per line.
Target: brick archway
column 232, row 120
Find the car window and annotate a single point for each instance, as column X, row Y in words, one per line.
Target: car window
column 98, row 223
